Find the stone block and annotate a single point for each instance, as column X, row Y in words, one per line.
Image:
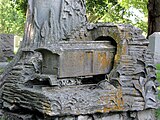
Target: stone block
column 6, row 47
column 154, row 43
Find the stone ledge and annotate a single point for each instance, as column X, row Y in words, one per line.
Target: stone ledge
column 75, row 100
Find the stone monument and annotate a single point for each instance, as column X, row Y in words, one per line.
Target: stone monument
column 69, row 69
column 154, row 42
column 6, row 50
column 6, row 47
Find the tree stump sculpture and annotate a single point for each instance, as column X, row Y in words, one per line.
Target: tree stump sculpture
column 69, row 69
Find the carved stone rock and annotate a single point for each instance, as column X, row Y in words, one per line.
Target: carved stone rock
column 70, row 69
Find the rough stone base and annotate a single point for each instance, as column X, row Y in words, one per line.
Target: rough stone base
column 141, row 115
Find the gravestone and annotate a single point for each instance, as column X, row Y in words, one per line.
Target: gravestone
column 6, row 50
column 17, row 42
column 69, row 69
column 154, row 40
column 6, row 47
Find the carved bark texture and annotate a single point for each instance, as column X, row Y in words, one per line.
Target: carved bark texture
column 141, row 115
column 52, row 21
column 32, row 83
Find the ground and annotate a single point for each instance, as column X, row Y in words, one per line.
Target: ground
column 158, row 78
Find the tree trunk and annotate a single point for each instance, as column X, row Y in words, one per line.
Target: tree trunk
column 153, row 16
column 52, row 21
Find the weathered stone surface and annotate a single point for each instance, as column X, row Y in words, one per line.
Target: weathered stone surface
column 85, row 117
column 140, row 115
column 6, row 47
column 35, row 82
column 154, row 46
column 6, row 50
column 73, row 100
column 3, row 64
column 146, row 115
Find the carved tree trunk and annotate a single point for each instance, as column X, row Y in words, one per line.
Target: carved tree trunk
column 153, row 16
column 58, row 29
column 53, row 20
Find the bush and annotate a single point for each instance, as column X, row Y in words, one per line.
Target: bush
column 11, row 18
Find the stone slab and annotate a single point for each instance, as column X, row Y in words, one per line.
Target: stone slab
column 73, row 100
column 6, row 47
column 154, row 43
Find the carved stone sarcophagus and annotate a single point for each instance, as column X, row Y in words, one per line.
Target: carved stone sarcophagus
column 79, row 59
column 67, row 68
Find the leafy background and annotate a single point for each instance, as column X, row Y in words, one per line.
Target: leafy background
column 13, row 13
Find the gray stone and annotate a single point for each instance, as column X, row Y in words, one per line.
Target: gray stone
column 3, row 64
column 154, row 42
column 109, row 117
column 68, row 118
column 69, row 69
column 15, row 116
column 146, row 115
column 84, row 117
column 6, row 47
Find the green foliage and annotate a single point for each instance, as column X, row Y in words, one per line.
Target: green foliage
column 118, row 11
column 2, row 118
column 158, row 75
column 21, row 5
column 11, row 18
column 104, row 10
column 158, row 78
column 12, row 13
column 158, row 114
column 138, row 4
column 158, row 72
column 158, row 66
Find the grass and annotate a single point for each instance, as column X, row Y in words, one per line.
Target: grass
column 158, row 66
column 158, row 78
column 158, row 74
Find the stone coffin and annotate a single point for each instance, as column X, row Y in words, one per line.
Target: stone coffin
column 75, row 59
